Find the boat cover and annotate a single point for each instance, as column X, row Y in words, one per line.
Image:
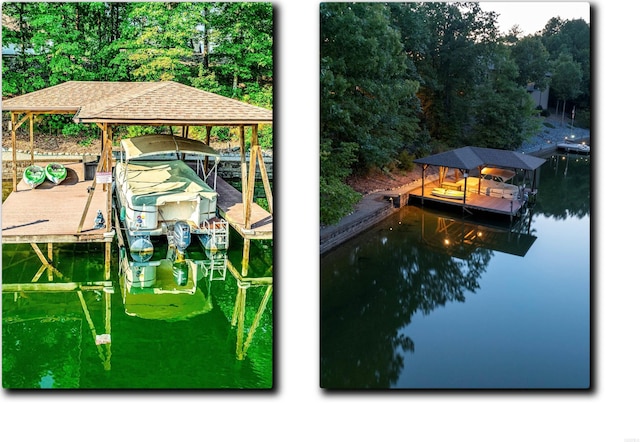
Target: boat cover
column 149, row 145
column 504, row 173
column 153, row 184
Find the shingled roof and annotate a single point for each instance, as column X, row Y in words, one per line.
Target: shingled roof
column 470, row 157
column 160, row 103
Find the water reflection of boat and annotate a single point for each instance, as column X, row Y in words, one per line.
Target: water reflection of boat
column 168, row 288
column 157, row 196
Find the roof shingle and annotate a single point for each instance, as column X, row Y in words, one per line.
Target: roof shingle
column 164, row 102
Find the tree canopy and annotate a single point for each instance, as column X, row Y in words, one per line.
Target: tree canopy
column 400, row 80
column 225, row 48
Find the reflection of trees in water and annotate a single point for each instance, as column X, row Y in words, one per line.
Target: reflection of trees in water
column 565, row 187
column 370, row 292
column 52, row 347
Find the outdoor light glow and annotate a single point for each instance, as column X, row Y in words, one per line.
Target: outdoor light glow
column 446, row 242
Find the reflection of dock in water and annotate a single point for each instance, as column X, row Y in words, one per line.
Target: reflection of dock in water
column 51, row 296
column 459, row 238
column 249, row 280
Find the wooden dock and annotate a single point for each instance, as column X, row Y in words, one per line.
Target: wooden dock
column 231, row 208
column 52, row 214
column 473, row 202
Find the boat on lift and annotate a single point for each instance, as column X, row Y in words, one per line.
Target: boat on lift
column 160, row 195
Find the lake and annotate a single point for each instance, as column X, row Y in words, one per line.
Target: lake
column 427, row 300
column 109, row 333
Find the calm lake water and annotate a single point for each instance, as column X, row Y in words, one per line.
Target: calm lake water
column 58, row 338
column 425, row 300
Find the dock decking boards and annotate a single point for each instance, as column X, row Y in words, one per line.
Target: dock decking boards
column 231, row 208
column 52, row 213
column 473, row 201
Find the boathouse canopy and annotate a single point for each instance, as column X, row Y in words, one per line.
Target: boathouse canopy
column 165, row 103
column 470, row 157
column 138, row 103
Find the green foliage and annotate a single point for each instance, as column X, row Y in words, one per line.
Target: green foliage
column 457, row 82
column 405, row 161
column 225, row 48
column 366, row 99
column 336, row 198
column 533, row 62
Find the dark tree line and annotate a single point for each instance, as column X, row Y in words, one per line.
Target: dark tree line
column 403, row 80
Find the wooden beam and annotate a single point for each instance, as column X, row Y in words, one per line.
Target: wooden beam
column 246, row 247
column 265, row 180
column 13, row 148
column 92, row 189
column 243, row 166
column 31, row 137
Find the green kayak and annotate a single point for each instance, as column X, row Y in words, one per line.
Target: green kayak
column 34, row 175
column 55, row 172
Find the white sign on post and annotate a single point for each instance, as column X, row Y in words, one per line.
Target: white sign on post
column 103, row 177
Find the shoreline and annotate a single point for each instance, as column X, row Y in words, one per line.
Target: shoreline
column 375, row 206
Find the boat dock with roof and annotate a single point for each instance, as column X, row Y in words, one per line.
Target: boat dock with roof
column 70, row 208
column 469, row 190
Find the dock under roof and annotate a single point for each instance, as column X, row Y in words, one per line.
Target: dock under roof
column 165, row 103
column 471, row 160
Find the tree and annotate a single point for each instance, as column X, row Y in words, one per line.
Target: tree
column 571, row 37
column 461, row 35
column 503, row 111
column 155, row 43
column 533, row 62
column 240, row 46
column 365, row 92
column 566, row 79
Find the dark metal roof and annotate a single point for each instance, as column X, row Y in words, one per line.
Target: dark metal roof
column 470, row 157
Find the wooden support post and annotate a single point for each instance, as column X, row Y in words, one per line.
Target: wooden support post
column 50, row 259
column 13, row 148
column 265, row 180
column 107, row 261
column 243, row 166
column 31, row 136
column 93, row 187
column 246, row 246
column 206, row 158
column 109, row 169
column 251, row 178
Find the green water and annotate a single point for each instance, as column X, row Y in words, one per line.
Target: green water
column 7, row 187
column 55, row 338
